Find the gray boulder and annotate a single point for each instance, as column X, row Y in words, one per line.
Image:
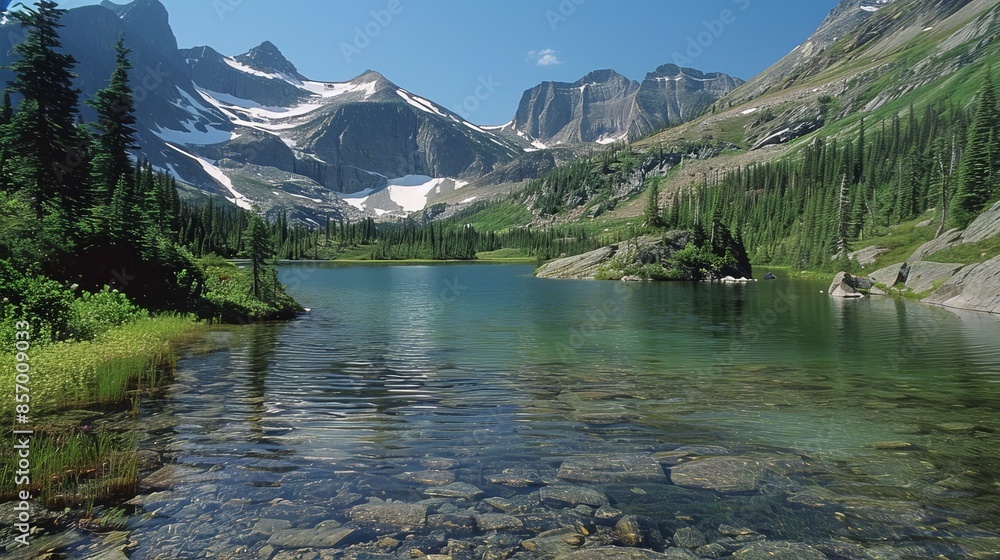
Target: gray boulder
column 846, row 285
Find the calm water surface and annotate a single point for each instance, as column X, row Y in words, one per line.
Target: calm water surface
column 873, row 426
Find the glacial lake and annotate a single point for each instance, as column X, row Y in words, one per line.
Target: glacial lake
column 752, row 413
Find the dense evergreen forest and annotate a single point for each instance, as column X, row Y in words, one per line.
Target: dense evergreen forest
column 81, row 220
column 219, row 228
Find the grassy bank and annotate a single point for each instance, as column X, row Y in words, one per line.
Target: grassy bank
column 76, row 459
column 90, row 359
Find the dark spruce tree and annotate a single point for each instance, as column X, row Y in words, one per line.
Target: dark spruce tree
column 48, row 150
column 977, row 173
column 114, row 131
column 261, row 251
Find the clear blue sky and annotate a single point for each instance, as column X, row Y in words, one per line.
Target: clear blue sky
column 447, row 50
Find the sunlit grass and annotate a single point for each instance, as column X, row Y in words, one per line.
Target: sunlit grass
column 901, row 240
column 76, row 465
column 969, row 253
column 99, row 371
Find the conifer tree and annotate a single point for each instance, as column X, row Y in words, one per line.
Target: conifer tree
column 115, row 127
column 261, row 250
column 977, row 175
column 653, row 213
column 48, row 149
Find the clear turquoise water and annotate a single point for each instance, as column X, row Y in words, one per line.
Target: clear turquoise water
column 490, row 366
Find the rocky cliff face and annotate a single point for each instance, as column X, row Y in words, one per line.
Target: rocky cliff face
column 598, row 107
column 605, row 106
column 673, row 95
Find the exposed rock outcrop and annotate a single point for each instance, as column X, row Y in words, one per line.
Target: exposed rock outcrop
column 975, row 287
column 646, row 258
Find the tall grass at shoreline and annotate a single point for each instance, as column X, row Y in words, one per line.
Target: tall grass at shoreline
column 100, row 371
column 74, row 465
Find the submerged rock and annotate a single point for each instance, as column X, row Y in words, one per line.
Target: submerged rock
column 395, row 514
column 516, row 504
column 430, row 478
column 687, row 452
column 452, row 522
column 461, row 490
column 689, row 537
column 572, row 496
column 640, row 532
column 516, row 478
column 722, row 474
column 168, row 477
column 317, row 537
column 766, row 550
column 498, row 522
column 618, row 553
column 606, row 469
column 438, row 463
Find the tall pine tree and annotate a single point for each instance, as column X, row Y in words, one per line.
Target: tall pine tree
column 115, row 128
column 48, row 149
column 261, row 251
column 977, row 175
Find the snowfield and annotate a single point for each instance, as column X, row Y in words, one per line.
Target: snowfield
column 409, row 192
column 220, row 177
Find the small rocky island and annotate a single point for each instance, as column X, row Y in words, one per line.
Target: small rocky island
column 675, row 255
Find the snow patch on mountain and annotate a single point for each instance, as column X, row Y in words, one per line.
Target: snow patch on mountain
column 192, row 135
column 499, row 127
column 420, row 103
column 409, row 193
column 334, row 89
column 253, row 71
column 220, row 177
column 605, row 140
column 248, row 113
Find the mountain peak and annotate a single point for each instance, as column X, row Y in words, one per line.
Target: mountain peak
column 368, row 76
column 139, row 9
column 602, row 77
column 267, row 58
